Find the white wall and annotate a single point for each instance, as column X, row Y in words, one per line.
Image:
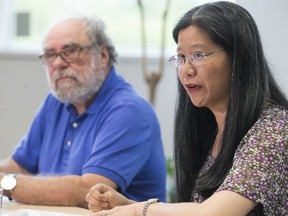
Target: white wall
column 23, row 82
column 271, row 17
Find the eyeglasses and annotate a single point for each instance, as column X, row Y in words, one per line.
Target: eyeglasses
column 196, row 58
column 69, row 54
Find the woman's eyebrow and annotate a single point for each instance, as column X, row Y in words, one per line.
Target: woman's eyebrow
column 193, row 47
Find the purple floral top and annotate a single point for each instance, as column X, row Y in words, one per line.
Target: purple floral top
column 260, row 167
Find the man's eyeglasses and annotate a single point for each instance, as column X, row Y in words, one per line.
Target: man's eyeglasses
column 196, row 58
column 69, row 54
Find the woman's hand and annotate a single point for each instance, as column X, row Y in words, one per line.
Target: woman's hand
column 102, row 196
column 135, row 209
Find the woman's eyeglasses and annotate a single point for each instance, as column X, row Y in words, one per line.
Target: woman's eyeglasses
column 196, row 58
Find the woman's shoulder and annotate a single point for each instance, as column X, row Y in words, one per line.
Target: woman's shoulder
column 271, row 129
column 274, row 117
column 275, row 110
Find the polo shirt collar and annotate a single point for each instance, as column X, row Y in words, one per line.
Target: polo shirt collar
column 103, row 94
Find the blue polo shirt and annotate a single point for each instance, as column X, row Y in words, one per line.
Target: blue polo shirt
column 117, row 137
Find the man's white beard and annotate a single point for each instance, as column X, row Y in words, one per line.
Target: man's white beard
column 78, row 87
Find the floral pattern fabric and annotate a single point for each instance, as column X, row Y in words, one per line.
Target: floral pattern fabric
column 260, row 166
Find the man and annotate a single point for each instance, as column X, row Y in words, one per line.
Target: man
column 93, row 127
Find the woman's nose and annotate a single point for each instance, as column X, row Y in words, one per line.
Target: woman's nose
column 189, row 69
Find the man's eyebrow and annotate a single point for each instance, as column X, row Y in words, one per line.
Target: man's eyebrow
column 48, row 50
column 72, row 44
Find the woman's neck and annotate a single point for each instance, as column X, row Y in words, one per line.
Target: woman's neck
column 220, row 119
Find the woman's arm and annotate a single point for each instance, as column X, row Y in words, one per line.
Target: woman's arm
column 222, row 203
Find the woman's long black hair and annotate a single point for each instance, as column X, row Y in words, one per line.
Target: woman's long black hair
column 252, row 86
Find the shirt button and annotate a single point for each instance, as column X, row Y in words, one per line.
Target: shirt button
column 75, row 124
column 69, row 142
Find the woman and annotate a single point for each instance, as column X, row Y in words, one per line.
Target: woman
column 231, row 141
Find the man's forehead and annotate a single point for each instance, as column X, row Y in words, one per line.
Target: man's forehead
column 66, row 32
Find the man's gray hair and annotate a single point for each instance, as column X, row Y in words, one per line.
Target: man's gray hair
column 96, row 33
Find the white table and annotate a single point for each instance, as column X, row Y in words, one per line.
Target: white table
column 9, row 207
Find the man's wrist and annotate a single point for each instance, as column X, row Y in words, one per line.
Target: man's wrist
column 8, row 183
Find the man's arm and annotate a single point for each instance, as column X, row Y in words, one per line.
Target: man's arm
column 69, row 190
column 10, row 166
